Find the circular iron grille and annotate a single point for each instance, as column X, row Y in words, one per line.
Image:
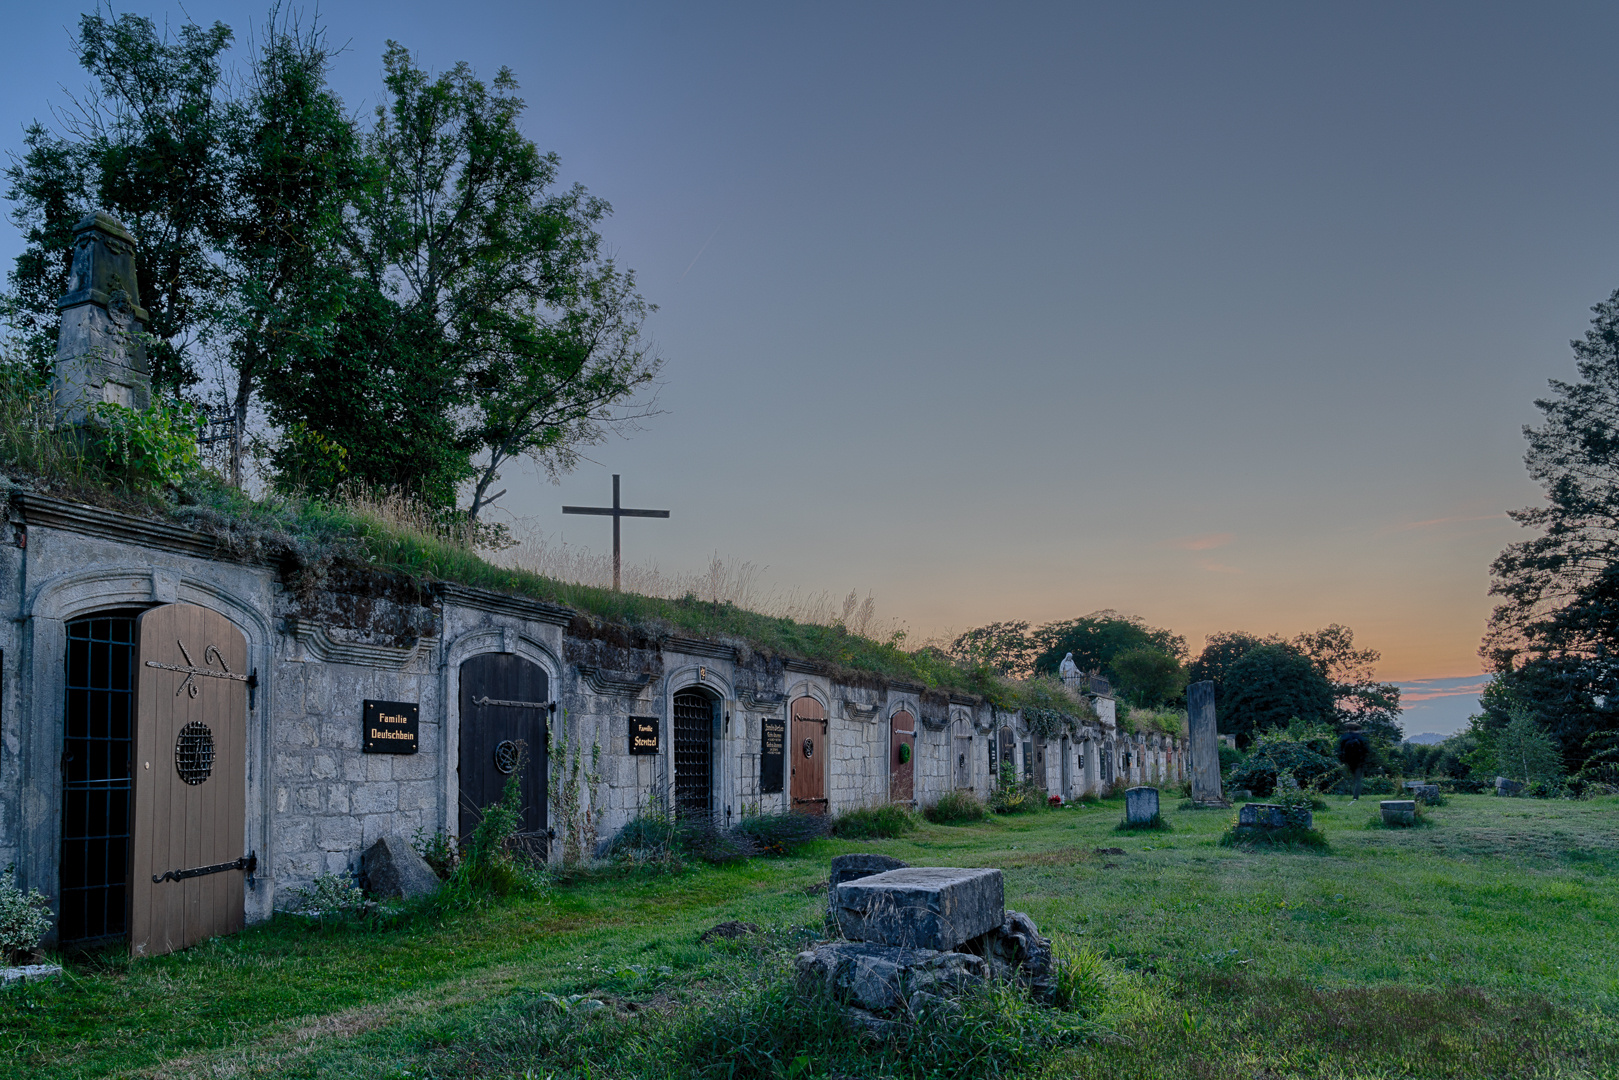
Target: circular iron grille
column 506, row 756
column 194, row 753
column 809, row 748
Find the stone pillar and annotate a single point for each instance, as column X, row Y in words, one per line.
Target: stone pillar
column 100, row 355
column 1205, row 744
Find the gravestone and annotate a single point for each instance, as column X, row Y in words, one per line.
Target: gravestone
column 1503, row 786
column 1421, row 790
column 1141, row 805
column 1272, row 816
column 1205, row 739
column 920, row 907
column 1398, row 811
column 100, row 356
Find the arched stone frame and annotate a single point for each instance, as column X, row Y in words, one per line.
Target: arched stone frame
column 910, row 703
column 497, row 639
column 703, row 678
column 67, row 597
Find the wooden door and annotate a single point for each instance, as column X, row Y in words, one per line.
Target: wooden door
column 808, row 737
column 187, row 862
column 902, row 757
column 696, row 717
column 1008, row 743
column 964, row 759
column 505, row 701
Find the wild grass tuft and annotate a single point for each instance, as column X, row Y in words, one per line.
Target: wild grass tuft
column 781, row 834
column 1157, row 823
column 1292, row 836
column 883, row 822
column 956, row 808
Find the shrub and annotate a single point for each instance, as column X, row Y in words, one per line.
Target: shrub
column 149, row 447
column 955, row 808
column 330, row 898
column 25, row 918
column 1013, row 796
column 1308, row 758
column 875, row 822
column 492, row 862
column 781, row 834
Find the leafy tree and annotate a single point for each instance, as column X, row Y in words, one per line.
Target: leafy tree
column 1524, row 753
column 1220, row 651
column 1271, row 686
column 146, row 143
column 1097, row 638
column 1359, row 698
column 1149, row 677
column 462, row 227
column 1004, row 647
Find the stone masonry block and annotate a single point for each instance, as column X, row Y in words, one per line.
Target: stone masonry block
column 324, row 767
column 354, row 767
column 379, row 767
column 418, row 795
column 338, row 834
column 374, row 798
column 415, row 766
column 921, row 907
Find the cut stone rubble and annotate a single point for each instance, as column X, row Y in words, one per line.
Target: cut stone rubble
column 920, row 907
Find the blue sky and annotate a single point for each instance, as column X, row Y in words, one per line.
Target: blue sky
column 1225, row 315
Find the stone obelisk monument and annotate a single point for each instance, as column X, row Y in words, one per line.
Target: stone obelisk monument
column 100, row 351
column 1205, row 739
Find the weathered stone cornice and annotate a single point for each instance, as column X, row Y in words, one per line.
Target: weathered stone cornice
column 42, row 511
column 320, row 645
column 500, row 603
column 696, row 647
column 615, row 682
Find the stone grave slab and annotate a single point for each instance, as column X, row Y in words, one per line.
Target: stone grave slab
column 861, row 864
column 1271, row 816
column 1399, row 811
column 920, row 907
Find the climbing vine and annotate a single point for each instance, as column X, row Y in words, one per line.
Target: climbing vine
column 574, row 788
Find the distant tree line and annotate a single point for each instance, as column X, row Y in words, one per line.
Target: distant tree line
column 411, row 301
column 1260, row 683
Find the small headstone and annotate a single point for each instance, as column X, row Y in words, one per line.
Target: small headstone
column 1272, row 816
column 1241, row 794
column 28, row 973
column 1141, row 805
column 862, row 864
column 391, row 867
column 921, row 907
column 1398, row 811
column 1503, row 786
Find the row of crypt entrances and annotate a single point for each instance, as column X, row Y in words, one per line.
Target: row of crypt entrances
column 154, row 768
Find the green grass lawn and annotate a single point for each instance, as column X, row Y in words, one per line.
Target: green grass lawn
column 1484, row 945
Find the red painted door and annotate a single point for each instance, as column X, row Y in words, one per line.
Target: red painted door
column 902, row 757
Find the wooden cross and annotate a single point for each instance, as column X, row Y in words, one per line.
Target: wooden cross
column 617, row 512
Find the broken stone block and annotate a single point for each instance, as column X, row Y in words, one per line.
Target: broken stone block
column 1141, row 805
column 920, row 907
column 1503, row 786
column 1015, row 950
column 883, row 978
column 1398, row 811
column 862, row 864
column 391, row 867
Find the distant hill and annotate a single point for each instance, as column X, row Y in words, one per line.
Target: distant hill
column 1427, row 738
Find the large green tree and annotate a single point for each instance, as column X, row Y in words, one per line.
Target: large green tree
column 1551, row 641
column 1097, row 638
column 1269, row 687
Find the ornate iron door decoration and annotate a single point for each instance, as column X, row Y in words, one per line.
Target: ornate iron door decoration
column 191, row 670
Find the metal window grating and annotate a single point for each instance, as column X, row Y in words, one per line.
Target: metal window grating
column 194, row 753
column 96, row 745
column 693, row 732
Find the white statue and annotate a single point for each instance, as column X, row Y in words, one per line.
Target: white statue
column 1068, row 669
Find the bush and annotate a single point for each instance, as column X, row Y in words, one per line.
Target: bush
column 1014, row 796
column 781, row 834
column 1308, row 758
column 330, row 898
column 955, row 808
column 875, row 822
column 657, row 837
column 492, row 862
column 25, row 918
column 150, row 447
column 438, row 851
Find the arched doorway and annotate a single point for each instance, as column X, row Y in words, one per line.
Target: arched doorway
column 808, row 741
column 901, row 757
column 697, row 717
column 505, row 701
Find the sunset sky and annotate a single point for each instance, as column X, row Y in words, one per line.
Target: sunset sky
column 1228, row 316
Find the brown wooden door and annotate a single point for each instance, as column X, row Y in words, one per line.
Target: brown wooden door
column 902, row 757
column 187, row 862
column 504, row 705
column 808, row 738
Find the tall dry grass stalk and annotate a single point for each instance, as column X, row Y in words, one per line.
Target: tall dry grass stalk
column 727, row 580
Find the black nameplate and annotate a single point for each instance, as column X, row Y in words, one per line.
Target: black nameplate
column 994, row 759
column 772, row 753
column 390, row 727
column 643, row 734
